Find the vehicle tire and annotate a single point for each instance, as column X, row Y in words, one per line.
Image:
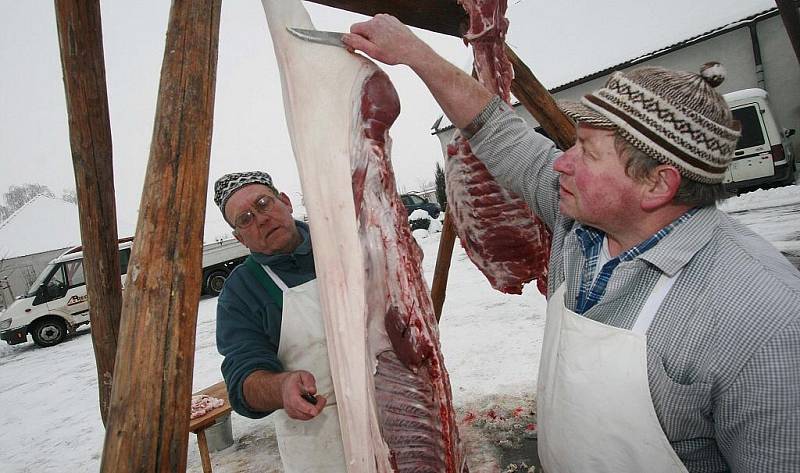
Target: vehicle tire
column 49, row 331
column 214, row 281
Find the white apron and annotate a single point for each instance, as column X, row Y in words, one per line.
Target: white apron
column 595, row 413
column 313, row 445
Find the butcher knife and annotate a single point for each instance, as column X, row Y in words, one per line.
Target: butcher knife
column 330, row 38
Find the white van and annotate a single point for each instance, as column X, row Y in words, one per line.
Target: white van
column 57, row 302
column 763, row 154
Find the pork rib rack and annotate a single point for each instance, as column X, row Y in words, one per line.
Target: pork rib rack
column 497, row 229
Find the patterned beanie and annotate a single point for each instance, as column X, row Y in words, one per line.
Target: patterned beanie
column 230, row 183
column 675, row 117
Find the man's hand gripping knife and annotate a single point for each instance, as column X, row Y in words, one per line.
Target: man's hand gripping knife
column 298, row 389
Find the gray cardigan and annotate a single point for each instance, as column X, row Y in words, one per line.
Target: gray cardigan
column 724, row 348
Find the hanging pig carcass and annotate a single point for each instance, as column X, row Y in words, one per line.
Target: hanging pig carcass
column 392, row 389
column 497, row 229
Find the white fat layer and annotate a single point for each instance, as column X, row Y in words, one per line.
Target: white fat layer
column 320, row 85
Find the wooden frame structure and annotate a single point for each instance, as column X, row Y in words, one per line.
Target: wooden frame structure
column 145, row 356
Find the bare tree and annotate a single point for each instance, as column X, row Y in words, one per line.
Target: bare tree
column 17, row 196
column 69, row 195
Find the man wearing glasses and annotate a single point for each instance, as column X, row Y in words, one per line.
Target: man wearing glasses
column 270, row 329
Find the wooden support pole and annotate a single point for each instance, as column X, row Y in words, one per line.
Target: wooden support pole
column 80, row 39
column 539, row 103
column 442, row 16
column 791, row 21
column 150, row 401
column 443, row 257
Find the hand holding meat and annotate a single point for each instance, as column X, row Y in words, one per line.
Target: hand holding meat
column 295, row 388
column 386, row 39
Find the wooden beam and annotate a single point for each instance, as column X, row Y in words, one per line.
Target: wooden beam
column 441, row 16
column 539, row 103
column 150, row 403
column 80, row 39
column 442, row 269
column 791, row 21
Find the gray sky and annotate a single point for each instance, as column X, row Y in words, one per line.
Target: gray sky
column 558, row 40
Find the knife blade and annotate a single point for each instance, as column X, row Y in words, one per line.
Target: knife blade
column 330, row 38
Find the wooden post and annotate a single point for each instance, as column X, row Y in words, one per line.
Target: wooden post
column 445, row 254
column 150, row 401
column 791, row 21
column 539, row 103
column 80, row 39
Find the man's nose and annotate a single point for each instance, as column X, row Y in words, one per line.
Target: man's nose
column 564, row 164
column 261, row 218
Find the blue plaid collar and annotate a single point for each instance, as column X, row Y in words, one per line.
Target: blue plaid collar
column 591, row 241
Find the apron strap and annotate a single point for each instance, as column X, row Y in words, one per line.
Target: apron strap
column 653, row 302
column 261, row 276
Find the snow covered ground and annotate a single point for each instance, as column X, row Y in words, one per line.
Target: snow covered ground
column 490, row 342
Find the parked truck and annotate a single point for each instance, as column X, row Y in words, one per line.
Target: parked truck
column 57, row 302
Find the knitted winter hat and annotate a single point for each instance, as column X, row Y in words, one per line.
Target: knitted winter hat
column 674, row 117
column 230, row 183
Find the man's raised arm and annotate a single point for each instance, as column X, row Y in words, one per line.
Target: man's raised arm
column 385, row 39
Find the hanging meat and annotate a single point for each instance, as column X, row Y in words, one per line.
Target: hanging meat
column 392, row 389
column 497, row 229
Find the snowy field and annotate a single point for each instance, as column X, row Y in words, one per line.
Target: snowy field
column 490, row 342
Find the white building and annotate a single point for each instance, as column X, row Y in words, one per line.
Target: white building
column 32, row 236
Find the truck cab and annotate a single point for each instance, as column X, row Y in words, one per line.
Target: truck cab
column 763, row 153
column 56, row 303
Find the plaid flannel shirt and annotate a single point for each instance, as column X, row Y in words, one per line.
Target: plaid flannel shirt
column 591, row 240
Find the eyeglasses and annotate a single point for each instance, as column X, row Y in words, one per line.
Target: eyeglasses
column 261, row 205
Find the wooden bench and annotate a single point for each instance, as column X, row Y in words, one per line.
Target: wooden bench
column 199, row 425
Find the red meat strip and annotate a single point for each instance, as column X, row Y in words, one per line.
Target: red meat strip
column 412, row 388
column 500, row 234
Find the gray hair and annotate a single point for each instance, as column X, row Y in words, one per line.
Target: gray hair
column 690, row 192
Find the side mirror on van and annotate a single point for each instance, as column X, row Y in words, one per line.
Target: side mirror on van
column 787, row 132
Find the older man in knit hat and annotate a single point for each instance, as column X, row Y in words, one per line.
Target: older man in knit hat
column 270, row 329
column 672, row 341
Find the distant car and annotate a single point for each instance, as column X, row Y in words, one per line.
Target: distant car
column 414, row 202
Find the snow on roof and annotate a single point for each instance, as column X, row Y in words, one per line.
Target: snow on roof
column 48, row 223
column 43, row 224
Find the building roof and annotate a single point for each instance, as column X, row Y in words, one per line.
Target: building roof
column 43, row 224
column 48, row 223
column 668, row 49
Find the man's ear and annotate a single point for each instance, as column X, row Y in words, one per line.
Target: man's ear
column 660, row 187
column 238, row 237
column 286, row 201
